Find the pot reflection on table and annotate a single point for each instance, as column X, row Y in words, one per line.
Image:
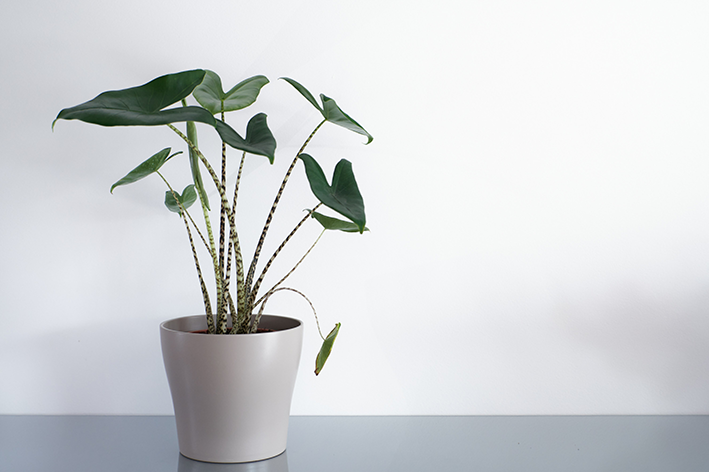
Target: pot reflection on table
column 274, row 464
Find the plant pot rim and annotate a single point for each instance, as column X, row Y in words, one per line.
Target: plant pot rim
column 290, row 323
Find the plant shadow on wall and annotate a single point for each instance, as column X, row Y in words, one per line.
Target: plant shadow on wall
column 654, row 341
column 232, row 310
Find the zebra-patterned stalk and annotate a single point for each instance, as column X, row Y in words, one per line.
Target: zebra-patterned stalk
column 199, row 233
column 222, row 215
column 257, row 319
column 221, row 309
column 233, row 236
column 203, row 286
column 257, row 285
column 232, row 310
column 292, row 270
column 218, row 277
column 269, row 218
column 222, row 316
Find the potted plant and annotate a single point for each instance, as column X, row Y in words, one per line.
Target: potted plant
column 231, row 371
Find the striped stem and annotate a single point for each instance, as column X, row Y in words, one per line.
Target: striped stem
column 199, row 233
column 222, row 214
column 292, row 270
column 221, row 311
column 257, row 285
column 230, row 215
column 203, row 286
column 233, row 236
column 254, row 327
column 259, row 246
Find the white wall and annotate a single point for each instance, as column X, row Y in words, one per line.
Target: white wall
column 537, row 193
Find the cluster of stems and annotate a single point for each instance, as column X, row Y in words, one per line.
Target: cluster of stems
column 228, row 252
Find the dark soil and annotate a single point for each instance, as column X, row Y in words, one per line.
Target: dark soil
column 259, row 330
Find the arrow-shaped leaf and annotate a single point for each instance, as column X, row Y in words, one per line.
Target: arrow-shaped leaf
column 188, row 197
column 259, row 139
column 330, row 111
column 149, row 166
column 326, row 349
column 343, row 196
column 330, row 223
column 210, row 95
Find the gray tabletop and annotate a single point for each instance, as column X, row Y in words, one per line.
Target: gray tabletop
column 334, row 444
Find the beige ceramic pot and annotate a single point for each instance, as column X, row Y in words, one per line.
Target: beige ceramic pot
column 231, row 393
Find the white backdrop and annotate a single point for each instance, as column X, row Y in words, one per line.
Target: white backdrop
column 536, row 189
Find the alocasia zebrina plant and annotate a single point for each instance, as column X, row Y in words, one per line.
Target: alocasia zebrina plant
column 163, row 101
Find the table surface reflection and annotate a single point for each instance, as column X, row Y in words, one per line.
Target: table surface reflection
column 371, row 443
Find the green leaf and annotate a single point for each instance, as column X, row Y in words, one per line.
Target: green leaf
column 330, row 111
column 343, row 196
column 188, row 197
column 140, row 105
column 304, row 92
column 259, row 139
column 210, row 95
column 326, row 349
column 334, row 114
column 328, row 222
column 150, row 166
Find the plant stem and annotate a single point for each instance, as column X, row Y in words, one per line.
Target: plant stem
column 221, row 312
column 205, row 292
column 257, row 285
column 222, row 221
column 241, row 295
column 218, row 275
column 259, row 246
column 199, row 233
column 230, row 214
column 292, row 270
column 254, row 328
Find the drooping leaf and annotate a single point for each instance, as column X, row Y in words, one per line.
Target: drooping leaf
column 343, row 195
column 330, row 223
column 304, row 92
column 147, row 167
column 326, row 349
column 330, row 111
column 210, row 95
column 334, row 114
column 259, row 139
column 188, row 197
